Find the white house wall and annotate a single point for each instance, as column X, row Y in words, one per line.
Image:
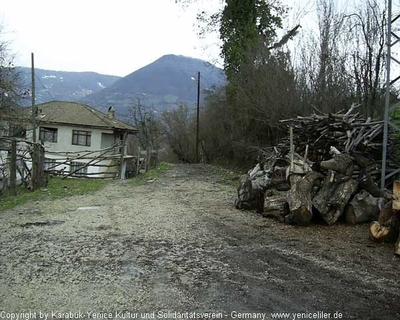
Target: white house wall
column 64, row 144
column 64, row 139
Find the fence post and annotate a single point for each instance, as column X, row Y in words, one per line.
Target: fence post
column 34, row 170
column 122, row 168
column 13, row 168
column 138, row 162
column 148, row 155
column 37, row 175
column 41, row 177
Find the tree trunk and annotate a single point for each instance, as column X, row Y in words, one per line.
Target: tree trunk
column 333, row 196
column 299, row 204
column 363, row 208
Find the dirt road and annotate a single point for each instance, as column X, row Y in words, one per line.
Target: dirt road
column 177, row 248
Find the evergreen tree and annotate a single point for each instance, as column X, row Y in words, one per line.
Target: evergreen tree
column 243, row 25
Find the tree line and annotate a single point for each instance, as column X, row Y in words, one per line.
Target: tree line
column 276, row 71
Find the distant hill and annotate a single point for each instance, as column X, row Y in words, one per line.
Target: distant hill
column 63, row 85
column 161, row 84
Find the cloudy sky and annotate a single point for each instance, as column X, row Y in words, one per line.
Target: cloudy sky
column 111, row 37
column 116, row 37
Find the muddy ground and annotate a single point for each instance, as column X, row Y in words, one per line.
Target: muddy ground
column 178, row 244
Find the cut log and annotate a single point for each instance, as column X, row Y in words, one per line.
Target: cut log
column 273, row 204
column 251, row 189
column 333, row 196
column 341, row 163
column 387, row 227
column 396, row 195
column 298, row 209
column 278, row 176
column 368, row 184
column 377, row 232
column 363, row 208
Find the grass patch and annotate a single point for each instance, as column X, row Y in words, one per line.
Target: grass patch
column 152, row 174
column 56, row 188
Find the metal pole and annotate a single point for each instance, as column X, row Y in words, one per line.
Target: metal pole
column 198, row 117
column 387, row 98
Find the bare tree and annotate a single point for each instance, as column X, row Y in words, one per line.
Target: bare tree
column 367, row 30
column 179, row 131
column 149, row 127
column 10, row 88
column 321, row 65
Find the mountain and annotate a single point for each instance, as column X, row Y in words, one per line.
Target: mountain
column 63, row 85
column 161, row 84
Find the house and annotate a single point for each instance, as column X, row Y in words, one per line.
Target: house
column 84, row 141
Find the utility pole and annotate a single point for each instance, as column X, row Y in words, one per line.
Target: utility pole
column 198, row 117
column 33, row 99
column 35, row 153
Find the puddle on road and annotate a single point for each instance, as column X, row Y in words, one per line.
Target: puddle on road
column 88, row 208
column 129, row 271
column 41, row 223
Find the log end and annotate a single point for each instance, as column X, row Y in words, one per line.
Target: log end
column 378, row 232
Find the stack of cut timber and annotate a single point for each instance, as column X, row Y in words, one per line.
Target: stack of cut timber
column 347, row 132
column 331, row 170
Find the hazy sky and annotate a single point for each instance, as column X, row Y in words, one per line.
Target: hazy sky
column 115, row 36
column 112, row 37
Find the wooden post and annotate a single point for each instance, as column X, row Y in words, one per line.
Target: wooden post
column 291, row 148
column 40, row 170
column 198, row 117
column 34, row 124
column 34, row 168
column 13, row 168
column 37, row 172
column 122, row 170
column 138, row 162
column 146, row 162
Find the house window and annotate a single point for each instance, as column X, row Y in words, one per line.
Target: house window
column 80, row 167
column 81, row 138
column 48, row 134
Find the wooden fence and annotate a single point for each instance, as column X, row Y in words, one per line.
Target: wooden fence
column 108, row 163
column 146, row 159
column 21, row 161
column 26, row 163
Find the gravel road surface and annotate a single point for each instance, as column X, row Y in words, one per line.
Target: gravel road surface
column 176, row 248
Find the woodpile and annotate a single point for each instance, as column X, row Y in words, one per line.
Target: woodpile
column 328, row 169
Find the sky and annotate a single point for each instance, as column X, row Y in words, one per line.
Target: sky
column 111, row 37
column 117, row 37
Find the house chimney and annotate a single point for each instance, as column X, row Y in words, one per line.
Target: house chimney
column 111, row 112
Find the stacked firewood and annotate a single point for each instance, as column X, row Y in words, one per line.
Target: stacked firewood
column 329, row 168
column 346, row 131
